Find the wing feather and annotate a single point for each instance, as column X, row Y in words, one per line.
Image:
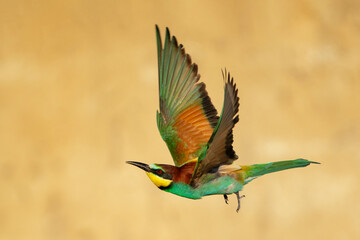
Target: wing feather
column 187, row 118
column 219, row 148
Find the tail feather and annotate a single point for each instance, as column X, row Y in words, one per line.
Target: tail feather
column 258, row 170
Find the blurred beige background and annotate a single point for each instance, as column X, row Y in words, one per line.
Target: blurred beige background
column 78, row 95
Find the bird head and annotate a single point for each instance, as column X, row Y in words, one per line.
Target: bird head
column 156, row 172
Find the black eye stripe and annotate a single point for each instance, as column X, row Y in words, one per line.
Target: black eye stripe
column 158, row 171
column 161, row 173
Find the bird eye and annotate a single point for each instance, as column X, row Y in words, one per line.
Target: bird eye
column 159, row 171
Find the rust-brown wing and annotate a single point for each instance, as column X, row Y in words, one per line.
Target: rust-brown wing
column 187, row 117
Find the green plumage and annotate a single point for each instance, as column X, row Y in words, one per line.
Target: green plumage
column 258, row 170
column 215, row 184
column 199, row 140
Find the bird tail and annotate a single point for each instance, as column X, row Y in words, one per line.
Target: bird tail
column 257, row 170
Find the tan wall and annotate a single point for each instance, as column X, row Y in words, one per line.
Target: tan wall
column 78, row 95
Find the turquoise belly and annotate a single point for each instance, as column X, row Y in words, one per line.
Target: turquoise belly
column 221, row 185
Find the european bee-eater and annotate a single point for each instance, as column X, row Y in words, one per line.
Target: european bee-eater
column 199, row 141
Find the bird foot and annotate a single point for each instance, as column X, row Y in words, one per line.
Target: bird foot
column 238, row 200
column 226, row 199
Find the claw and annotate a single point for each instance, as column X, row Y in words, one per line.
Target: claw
column 226, row 199
column 238, row 199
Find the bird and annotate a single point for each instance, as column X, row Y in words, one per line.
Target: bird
column 200, row 141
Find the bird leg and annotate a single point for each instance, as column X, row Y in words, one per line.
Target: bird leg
column 226, row 199
column 238, row 200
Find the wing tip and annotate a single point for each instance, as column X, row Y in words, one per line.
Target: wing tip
column 195, row 69
column 174, row 41
column 188, row 59
column 231, row 86
column 167, row 31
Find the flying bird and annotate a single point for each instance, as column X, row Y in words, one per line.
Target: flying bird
column 200, row 142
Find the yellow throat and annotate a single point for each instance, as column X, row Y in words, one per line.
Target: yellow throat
column 158, row 181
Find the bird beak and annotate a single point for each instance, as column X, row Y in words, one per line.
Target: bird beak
column 143, row 166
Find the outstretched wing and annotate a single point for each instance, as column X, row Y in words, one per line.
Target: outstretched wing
column 187, row 117
column 219, row 149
